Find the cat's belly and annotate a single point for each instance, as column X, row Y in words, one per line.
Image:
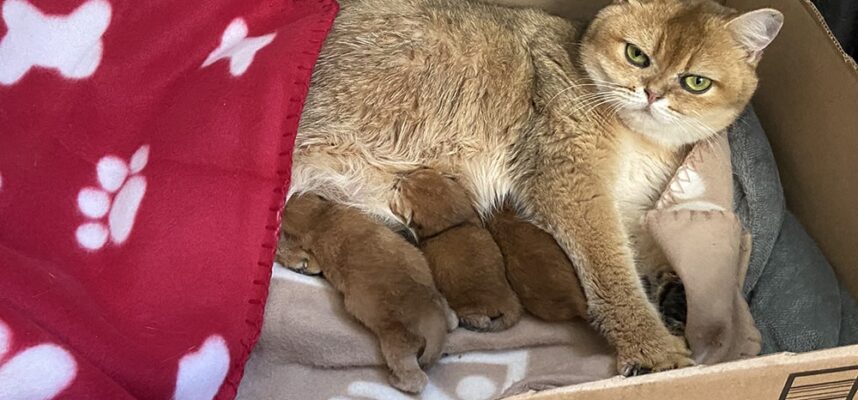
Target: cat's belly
column 367, row 182
column 426, row 88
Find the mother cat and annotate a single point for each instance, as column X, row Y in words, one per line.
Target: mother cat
column 582, row 139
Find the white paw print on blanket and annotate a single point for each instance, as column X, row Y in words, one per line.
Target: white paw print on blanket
column 236, row 46
column 471, row 387
column 121, row 189
column 38, row 372
column 71, row 44
column 201, row 372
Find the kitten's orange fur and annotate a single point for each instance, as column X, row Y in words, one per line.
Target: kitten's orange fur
column 386, row 285
column 466, row 264
column 537, row 268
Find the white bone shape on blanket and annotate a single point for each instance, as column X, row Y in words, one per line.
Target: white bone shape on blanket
column 71, row 44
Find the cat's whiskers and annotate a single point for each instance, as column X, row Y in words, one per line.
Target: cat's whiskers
column 692, row 125
column 587, row 99
column 615, row 109
column 703, row 125
column 598, row 85
column 608, row 98
column 591, row 103
column 695, row 125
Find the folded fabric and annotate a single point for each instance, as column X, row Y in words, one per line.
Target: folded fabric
column 793, row 293
column 705, row 243
column 143, row 152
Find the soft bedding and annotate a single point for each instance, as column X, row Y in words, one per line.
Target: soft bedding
column 143, row 152
column 794, row 296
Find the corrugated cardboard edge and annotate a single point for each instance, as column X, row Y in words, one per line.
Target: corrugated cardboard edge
column 758, row 378
column 820, row 20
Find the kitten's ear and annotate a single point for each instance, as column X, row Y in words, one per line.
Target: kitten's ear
column 755, row 30
column 633, row 2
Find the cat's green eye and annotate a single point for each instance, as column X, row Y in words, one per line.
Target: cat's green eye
column 695, row 83
column 636, row 56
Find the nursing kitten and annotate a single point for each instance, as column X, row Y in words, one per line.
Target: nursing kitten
column 538, row 270
column 466, row 264
column 582, row 138
column 384, row 280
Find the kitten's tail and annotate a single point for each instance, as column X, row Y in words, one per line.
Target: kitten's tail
column 433, row 327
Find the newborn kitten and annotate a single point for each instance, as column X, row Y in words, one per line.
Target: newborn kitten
column 384, row 280
column 465, row 261
column 537, row 268
column 581, row 135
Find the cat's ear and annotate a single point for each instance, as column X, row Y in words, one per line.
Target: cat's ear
column 632, row 2
column 755, row 30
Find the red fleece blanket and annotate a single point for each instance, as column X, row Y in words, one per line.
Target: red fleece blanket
column 144, row 150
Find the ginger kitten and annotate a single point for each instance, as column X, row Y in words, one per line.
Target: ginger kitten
column 384, row 280
column 581, row 141
column 537, row 268
column 467, row 265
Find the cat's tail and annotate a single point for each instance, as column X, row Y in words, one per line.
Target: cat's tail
column 433, row 326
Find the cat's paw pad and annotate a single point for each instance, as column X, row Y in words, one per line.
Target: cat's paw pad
column 409, row 381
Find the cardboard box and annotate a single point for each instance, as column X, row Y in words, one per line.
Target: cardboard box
column 808, row 105
column 822, row 375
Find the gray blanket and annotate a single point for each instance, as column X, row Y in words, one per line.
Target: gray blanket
column 794, row 296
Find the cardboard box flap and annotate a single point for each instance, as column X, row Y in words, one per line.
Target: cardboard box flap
column 808, row 104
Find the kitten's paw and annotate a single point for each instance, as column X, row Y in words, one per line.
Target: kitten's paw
column 409, row 381
column 490, row 318
column 665, row 353
column 475, row 321
column 302, row 265
column 452, row 320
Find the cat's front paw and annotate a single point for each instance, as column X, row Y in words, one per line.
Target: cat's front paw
column 660, row 353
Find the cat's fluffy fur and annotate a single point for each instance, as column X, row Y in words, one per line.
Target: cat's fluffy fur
column 503, row 100
column 466, row 264
column 385, row 281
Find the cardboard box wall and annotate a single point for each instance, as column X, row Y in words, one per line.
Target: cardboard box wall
column 808, row 104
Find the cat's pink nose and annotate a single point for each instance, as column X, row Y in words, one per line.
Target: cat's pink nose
column 651, row 96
